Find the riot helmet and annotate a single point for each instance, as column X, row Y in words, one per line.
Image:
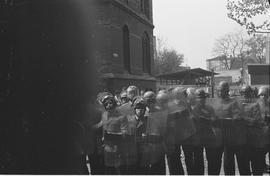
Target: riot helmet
column 139, row 105
column 123, row 97
column 109, row 102
column 264, row 92
column 224, row 89
column 162, row 98
column 131, row 92
column 150, row 97
column 246, row 91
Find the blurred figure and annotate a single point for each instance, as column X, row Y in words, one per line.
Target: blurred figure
column 142, row 92
column 263, row 101
column 233, row 125
column 153, row 150
column 179, row 132
column 162, row 99
column 203, row 115
column 255, row 139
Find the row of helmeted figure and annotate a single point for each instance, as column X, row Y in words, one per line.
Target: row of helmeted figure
column 134, row 134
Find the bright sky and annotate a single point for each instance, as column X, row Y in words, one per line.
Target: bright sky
column 192, row 26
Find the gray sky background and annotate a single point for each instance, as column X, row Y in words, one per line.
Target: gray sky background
column 192, row 26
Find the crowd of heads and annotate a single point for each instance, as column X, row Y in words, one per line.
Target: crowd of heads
column 179, row 94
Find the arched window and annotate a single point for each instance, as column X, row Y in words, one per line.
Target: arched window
column 146, row 58
column 126, row 49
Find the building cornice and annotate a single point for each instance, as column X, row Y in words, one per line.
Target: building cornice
column 132, row 13
column 127, row 76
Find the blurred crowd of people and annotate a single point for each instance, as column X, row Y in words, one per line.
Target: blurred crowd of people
column 134, row 132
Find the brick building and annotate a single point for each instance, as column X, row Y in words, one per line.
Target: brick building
column 123, row 43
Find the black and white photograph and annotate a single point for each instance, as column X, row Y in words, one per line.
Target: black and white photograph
column 134, row 87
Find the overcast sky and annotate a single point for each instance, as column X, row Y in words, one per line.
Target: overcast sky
column 192, row 26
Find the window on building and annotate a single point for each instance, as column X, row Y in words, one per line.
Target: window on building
column 126, row 49
column 146, row 58
column 145, row 7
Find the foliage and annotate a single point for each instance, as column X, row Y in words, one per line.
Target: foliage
column 256, row 47
column 235, row 49
column 245, row 11
column 167, row 60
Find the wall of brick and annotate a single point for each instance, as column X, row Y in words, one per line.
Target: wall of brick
column 112, row 16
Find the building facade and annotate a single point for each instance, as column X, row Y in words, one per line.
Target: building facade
column 231, row 70
column 123, row 43
column 259, row 74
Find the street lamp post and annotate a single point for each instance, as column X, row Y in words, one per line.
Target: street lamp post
column 212, row 82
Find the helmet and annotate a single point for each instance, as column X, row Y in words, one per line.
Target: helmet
column 190, row 91
column 149, row 96
column 132, row 89
column 264, row 90
column 139, row 102
column 162, row 97
column 131, row 92
column 200, row 93
column 123, row 94
column 178, row 91
column 223, row 85
column 101, row 95
column 162, row 91
column 107, row 98
column 246, row 90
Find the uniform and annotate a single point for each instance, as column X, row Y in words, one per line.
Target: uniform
column 114, row 125
column 205, row 137
column 126, row 108
column 256, row 137
column 182, row 128
column 152, row 146
column 264, row 107
column 153, row 152
column 234, row 133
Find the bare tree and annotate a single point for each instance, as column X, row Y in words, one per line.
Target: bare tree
column 232, row 47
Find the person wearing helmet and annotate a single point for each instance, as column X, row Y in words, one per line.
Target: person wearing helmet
column 123, row 97
column 126, row 108
column 191, row 98
column 133, row 143
column 231, row 121
column 255, row 131
column 153, row 152
column 162, row 99
column 150, row 98
column 114, row 126
column 203, row 115
column 246, row 92
column 264, row 103
column 180, row 130
column 132, row 92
